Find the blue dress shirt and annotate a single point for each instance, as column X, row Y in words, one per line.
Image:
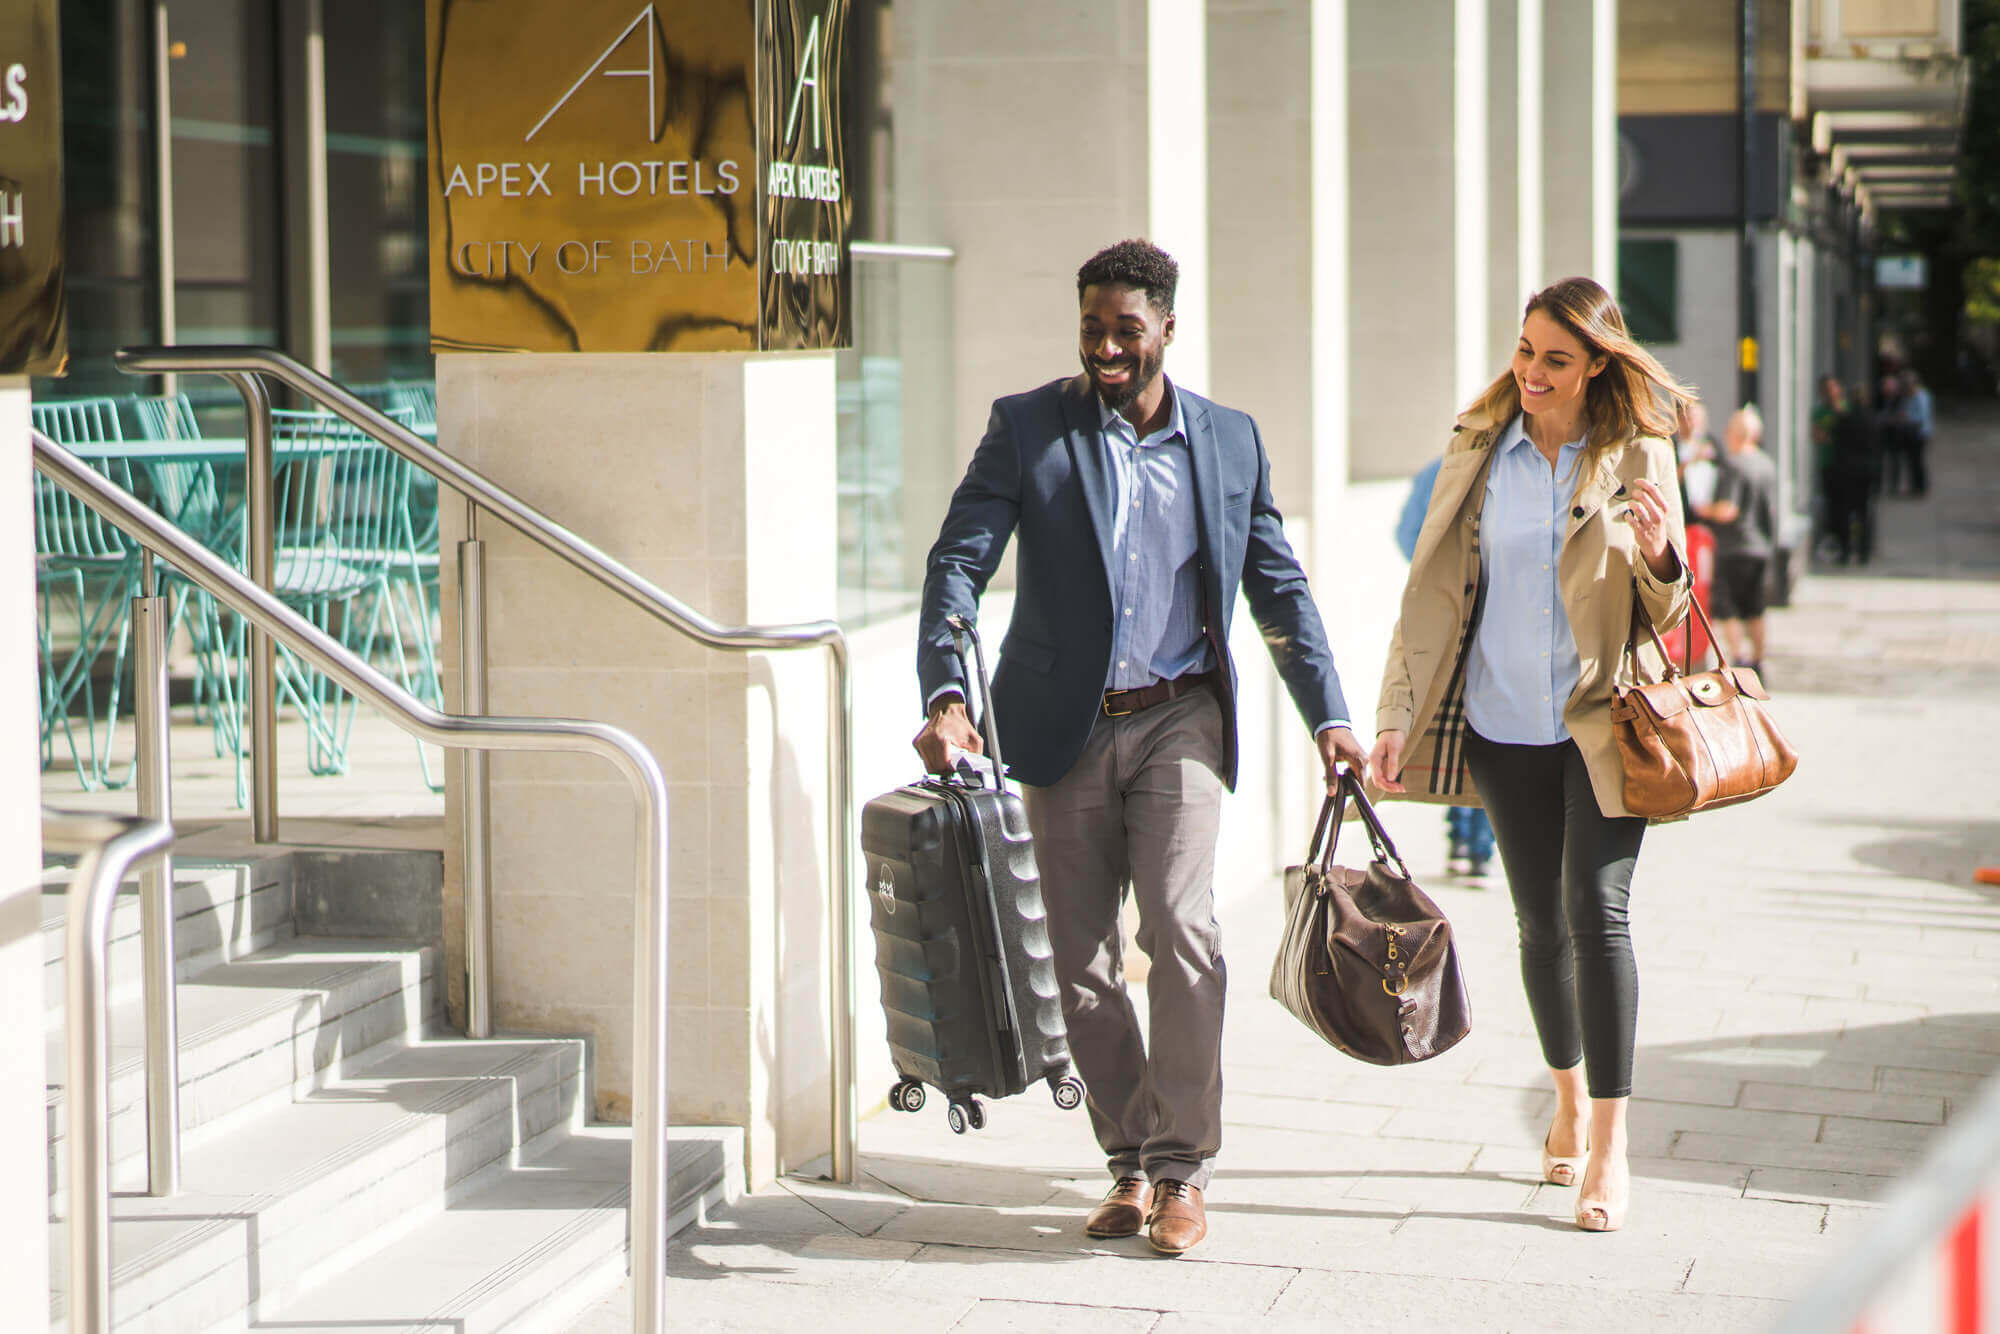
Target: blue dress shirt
column 1522, row 667
column 1157, row 631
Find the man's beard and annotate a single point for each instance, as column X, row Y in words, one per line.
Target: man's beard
column 1116, row 396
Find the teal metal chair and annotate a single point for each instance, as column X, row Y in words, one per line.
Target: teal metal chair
column 191, row 493
column 82, row 560
column 342, row 526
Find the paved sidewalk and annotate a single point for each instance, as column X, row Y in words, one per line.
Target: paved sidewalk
column 1819, row 984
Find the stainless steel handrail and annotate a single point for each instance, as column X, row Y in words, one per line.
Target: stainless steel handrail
column 243, row 364
column 895, row 251
column 106, row 847
column 649, row 1092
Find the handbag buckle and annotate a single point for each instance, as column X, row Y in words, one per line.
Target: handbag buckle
column 1402, row 985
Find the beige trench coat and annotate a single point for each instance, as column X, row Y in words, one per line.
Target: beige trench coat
column 1597, row 573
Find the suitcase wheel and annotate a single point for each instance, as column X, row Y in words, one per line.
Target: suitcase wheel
column 954, row 1116
column 1068, row 1092
column 907, row 1096
column 976, row 1112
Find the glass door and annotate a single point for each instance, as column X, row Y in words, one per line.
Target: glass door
column 226, row 212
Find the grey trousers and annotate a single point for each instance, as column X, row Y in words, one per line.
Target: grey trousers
column 1141, row 808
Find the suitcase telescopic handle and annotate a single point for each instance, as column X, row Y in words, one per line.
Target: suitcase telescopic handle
column 963, row 632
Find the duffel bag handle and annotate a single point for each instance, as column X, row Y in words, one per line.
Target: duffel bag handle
column 1333, row 811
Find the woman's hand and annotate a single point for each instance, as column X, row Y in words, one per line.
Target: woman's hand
column 1648, row 516
column 1386, row 763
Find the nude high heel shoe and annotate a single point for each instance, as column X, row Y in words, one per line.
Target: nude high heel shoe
column 1561, row 1171
column 1594, row 1214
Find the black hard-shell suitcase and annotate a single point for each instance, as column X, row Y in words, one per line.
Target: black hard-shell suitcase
column 962, row 939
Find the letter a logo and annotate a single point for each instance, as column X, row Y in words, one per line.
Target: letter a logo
column 808, row 78
column 652, row 74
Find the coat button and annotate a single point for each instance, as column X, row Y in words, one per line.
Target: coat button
column 1468, row 588
column 1576, row 513
column 1619, row 492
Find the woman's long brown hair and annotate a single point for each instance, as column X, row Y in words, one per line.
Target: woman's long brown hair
column 1634, row 396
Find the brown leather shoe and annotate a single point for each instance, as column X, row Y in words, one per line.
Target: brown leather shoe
column 1177, row 1221
column 1123, row 1212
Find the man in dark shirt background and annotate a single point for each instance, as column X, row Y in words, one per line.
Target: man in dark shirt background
column 1743, row 516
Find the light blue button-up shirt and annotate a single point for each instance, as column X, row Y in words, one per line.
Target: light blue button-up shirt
column 1523, row 667
column 1157, row 631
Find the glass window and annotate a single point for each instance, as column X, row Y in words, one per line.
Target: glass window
column 377, row 231
column 112, row 254
column 228, row 262
column 1649, row 288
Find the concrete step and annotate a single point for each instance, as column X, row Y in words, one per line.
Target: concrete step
column 256, row 1033
column 222, row 911
column 534, row 1245
column 288, row 1198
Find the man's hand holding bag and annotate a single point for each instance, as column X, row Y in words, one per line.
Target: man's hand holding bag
column 1367, row 961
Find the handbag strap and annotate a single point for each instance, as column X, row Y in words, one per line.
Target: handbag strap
column 1640, row 616
column 1336, row 808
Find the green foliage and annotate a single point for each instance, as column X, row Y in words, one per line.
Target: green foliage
column 1982, row 291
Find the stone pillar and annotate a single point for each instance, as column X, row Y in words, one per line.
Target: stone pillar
column 1419, row 212
column 1514, row 179
column 24, row 1169
column 1102, row 139
column 712, row 476
column 1580, row 139
column 1277, row 126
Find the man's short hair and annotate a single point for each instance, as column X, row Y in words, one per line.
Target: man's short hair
column 1138, row 264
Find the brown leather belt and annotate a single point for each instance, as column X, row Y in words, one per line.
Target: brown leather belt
column 1118, row 703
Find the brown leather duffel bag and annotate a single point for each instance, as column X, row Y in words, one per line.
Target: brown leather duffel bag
column 1367, row 961
column 1694, row 741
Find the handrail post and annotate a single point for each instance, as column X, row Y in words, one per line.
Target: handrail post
column 477, row 862
column 156, row 891
column 651, row 1111
column 259, row 496
column 101, row 867
column 840, row 920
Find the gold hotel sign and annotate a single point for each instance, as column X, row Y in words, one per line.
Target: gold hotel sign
column 34, row 324
column 619, row 176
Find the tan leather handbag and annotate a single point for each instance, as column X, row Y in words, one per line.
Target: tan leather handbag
column 1367, row 961
column 1694, row 741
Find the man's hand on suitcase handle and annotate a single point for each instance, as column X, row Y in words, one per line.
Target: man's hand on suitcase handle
column 948, row 729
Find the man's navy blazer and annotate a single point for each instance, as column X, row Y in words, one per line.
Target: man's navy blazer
column 1041, row 470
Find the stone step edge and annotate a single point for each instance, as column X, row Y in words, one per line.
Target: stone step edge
column 359, row 984
column 484, row 1099
column 585, row 1259
column 575, row 1266
column 226, row 912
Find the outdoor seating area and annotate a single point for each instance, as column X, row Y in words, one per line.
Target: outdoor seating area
column 355, row 536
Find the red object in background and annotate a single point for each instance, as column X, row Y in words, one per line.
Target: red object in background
column 1701, row 560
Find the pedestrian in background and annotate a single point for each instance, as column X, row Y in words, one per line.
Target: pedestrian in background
column 1855, row 478
column 1892, row 435
column 1743, row 517
column 1695, row 451
column 1468, row 833
column 1828, row 405
column 1919, row 419
column 1554, row 515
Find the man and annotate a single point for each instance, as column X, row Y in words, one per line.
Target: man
column 1854, row 474
column 1743, row 517
column 1141, row 509
column 1919, row 420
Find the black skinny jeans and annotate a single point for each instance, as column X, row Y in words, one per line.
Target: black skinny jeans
column 1569, row 868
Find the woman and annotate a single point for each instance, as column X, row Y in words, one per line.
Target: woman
column 1551, row 514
